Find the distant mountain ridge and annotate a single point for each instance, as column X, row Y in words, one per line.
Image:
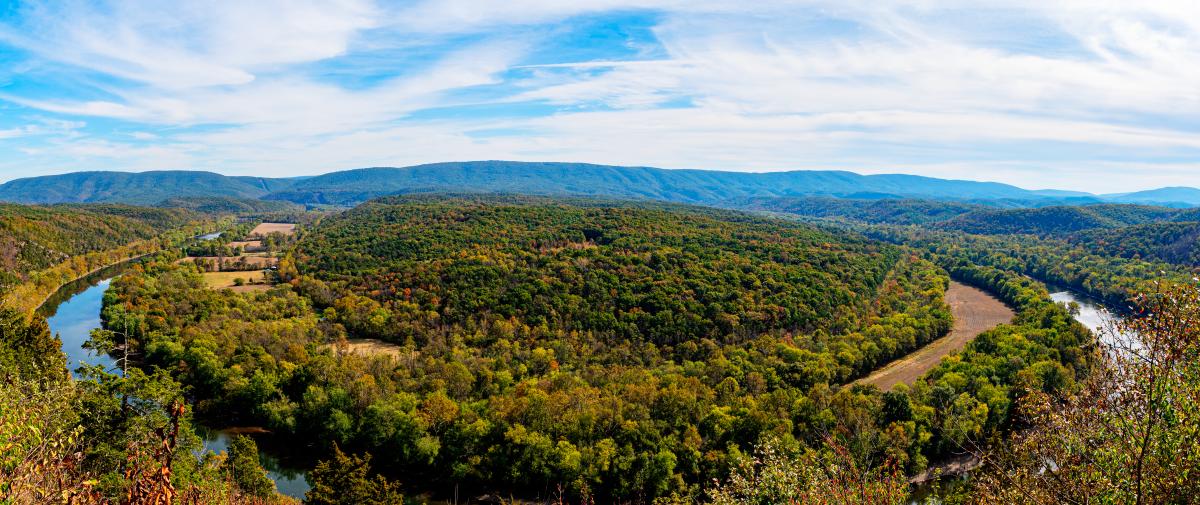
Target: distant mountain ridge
column 1171, row 195
column 350, row 187
column 579, row 179
column 141, row 188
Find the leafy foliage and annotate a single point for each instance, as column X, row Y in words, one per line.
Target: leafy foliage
column 228, row 205
column 1176, row 243
column 891, row 211
column 531, row 392
column 1058, row 220
column 37, row 238
column 1130, row 435
column 347, row 480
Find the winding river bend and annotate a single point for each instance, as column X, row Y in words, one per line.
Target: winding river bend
column 74, row 311
column 1091, row 313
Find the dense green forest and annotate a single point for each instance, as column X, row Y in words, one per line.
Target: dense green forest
column 891, row 211
column 684, row 338
column 34, row 238
column 229, row 205
column 1056, row 220
column 1176, row 243
column 582, row 350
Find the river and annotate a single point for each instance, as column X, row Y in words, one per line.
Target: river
column 74, row 311
column 1090, row 313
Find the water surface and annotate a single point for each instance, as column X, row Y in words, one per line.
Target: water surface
column 74, row 311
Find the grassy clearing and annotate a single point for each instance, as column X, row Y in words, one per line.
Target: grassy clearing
column 367, row 347
column 222, row 280
column 974, row 312
column 265, row 228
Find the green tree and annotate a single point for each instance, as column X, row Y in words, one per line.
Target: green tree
column 346, row 480
column 242, row 467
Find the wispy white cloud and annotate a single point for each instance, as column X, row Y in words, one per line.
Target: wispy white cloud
column 1033, row 93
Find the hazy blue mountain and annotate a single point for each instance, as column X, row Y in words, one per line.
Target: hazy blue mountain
column 1178, row 196
column 576, row 179
column 228, row 205
column 145, row 188
column 690, row 186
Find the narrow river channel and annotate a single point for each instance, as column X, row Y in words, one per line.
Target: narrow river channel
column 1092, row 314
column 74, row 311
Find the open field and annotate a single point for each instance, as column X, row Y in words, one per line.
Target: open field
column 255, row 280
column 247, row 245
column 264, row 229
column 368, row 347
column 974, row 312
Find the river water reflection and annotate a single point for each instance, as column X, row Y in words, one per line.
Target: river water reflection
column 74, row 311
column 1092, row 314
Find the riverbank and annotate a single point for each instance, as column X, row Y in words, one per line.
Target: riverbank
column 76, row 312
column 974, row 312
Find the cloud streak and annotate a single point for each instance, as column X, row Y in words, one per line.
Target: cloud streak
column 1096, row 95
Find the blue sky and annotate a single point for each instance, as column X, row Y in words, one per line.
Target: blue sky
column 1093, row 95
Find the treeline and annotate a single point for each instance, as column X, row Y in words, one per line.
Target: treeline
column 229, row 205
column 890, row 210
column 1175, row 243
column 32, row 282
column 220, row 246
column 36, row 238
column 1057, row 220
column 1054, row 261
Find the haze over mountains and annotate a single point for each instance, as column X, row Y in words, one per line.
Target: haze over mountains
column 687, row 186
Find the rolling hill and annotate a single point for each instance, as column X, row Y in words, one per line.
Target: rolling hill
column 889, row 211
column 577, row 179
column 1057, row 220
column 36, row 237
column 144, row 188
column 1177, row 242
column 1175, row 196
column 351, row 187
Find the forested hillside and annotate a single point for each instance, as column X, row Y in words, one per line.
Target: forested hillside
column 651, row 273
column 619, row 351
column 1177, row 243
column 586, row 349
column 889, row 210
column 579, row 179
column 1058, row 220
column 142, row 188
column 228, row 205
column 36, row 237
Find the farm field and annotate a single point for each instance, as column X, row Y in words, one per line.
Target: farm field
column 265, row 229
column 255, row 280
column 367, row 347
column 974, row 312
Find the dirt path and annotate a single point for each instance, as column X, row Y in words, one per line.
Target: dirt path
column 974, row 312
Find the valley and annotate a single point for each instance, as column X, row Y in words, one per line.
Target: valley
column 974, row 312
column 612, row 350
column 618, row 252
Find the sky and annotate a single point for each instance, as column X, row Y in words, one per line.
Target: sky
column 1093, row 95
